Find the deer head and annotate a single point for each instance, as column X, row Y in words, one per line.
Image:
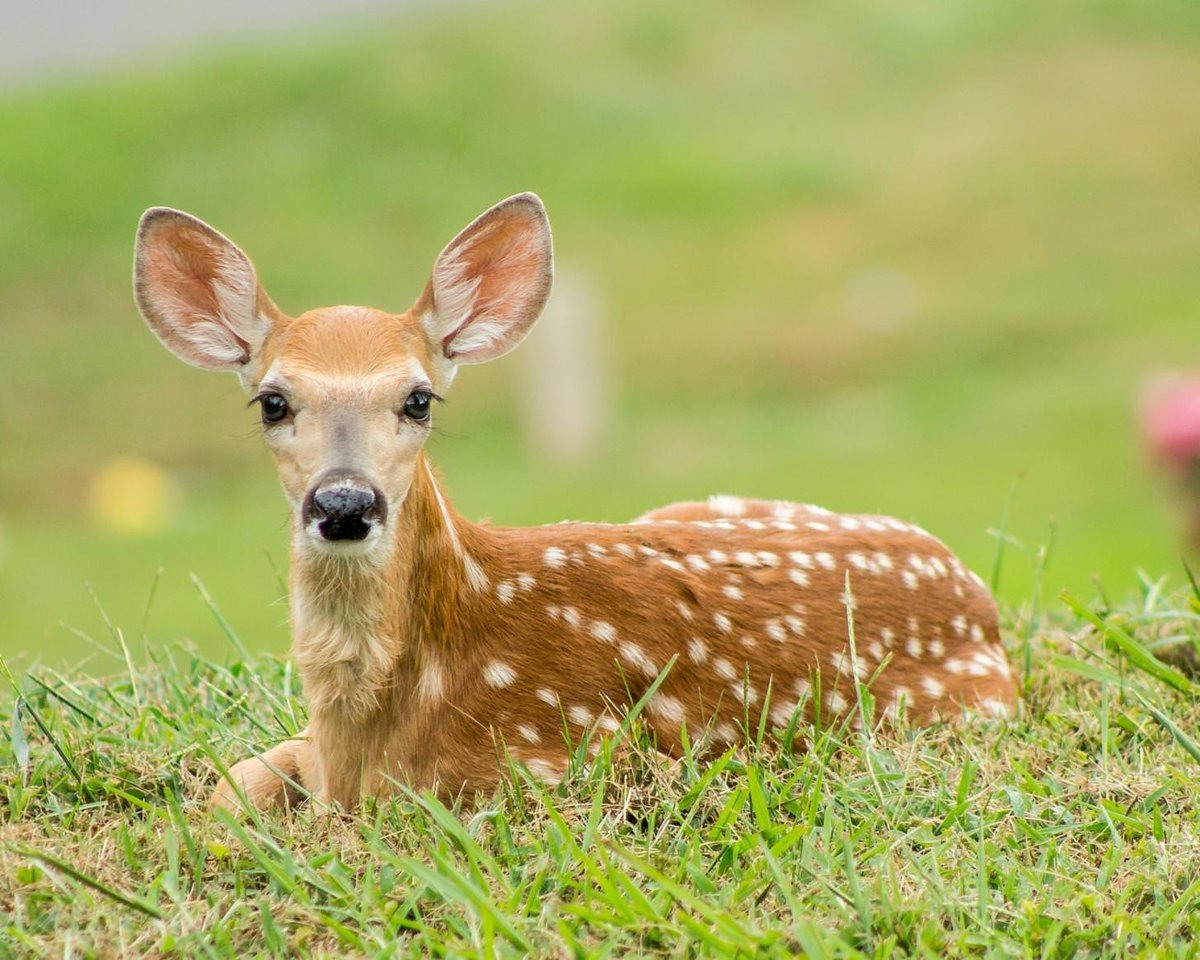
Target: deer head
column 346, row 393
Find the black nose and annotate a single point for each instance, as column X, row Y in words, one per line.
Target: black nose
column 345, row 512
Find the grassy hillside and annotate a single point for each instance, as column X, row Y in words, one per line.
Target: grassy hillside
column 877, row 256
column 1073, row 831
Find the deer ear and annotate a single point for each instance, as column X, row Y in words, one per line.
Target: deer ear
column 198, row 291
column 490, row 283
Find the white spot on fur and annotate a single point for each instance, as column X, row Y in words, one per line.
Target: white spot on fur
column 825, row 560
column 723, row 623
column 775, row 631
column 767, row 558
column 596, row 550
column 932, row 686
column 554, row 557
column 431, row 684
column 801, row 559
column 544, row 770
column 526, row 582
column 723, row 668
column 499, row 674
column 529, row 733
column 888, row 636
column 837, row 702
column 782, row 712
column 744, row 692
column 684, row 611
column 673, row 565
column 571, row 616
column 718, row 556
column 798, row 577
column 635, row 656
column 795, row 624
column 666, row 707
column 910, row 579
column 883, row 561
column 977, row 633
column 625, row 550
column 505, row 590
column 697, row 650
column 914, row 648
column 733, row 592
column 848, row 523
column 817, row 525
column 579, row 715
column 603, row 631
column 726, row 506
column 697, row 563
column 547, row 696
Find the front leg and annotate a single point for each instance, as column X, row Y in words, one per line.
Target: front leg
column 262, row 778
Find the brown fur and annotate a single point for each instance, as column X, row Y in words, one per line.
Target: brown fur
column 447, row 644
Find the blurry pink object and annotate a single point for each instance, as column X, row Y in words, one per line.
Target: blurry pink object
column 1171, row 418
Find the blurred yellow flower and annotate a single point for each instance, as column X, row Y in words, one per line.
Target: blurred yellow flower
column 133, row 497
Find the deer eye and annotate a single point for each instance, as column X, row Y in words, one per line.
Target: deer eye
column 416, row 407
column 274, row 407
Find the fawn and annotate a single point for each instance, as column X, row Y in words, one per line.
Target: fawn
column 430, row 646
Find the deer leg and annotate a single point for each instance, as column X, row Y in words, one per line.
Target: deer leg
column 269, row 780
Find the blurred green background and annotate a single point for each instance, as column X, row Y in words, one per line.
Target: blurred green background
column 901, row 257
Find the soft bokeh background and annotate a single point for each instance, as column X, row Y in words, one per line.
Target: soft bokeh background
column 902, row 257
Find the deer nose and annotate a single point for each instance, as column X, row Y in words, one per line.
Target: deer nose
column 344, row 510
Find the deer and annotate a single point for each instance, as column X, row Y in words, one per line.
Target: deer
column 435, row 651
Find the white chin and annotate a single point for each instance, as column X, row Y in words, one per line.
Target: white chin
column 343, row 548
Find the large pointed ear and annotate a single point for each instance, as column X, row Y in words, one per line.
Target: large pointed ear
column 490, row 283
column 198, row 291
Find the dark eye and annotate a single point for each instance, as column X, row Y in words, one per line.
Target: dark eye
column 274, row 407
column 416, row 407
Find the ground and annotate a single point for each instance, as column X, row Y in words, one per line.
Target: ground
column 1072, row 830
column 913, row 260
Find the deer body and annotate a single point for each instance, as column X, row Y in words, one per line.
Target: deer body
column 430, row 646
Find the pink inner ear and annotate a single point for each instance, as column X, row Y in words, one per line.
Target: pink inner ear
column 506, row 259
column 181, row 270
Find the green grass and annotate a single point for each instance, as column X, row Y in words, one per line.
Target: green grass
column 726, row 179
column 1073, row 831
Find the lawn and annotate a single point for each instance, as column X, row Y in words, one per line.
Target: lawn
column 1072, row 831
column 915, row 259
column 908, row 259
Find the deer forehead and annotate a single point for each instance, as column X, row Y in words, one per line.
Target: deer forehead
column 334, row 345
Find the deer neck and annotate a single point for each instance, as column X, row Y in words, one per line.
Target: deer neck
column 366, row 629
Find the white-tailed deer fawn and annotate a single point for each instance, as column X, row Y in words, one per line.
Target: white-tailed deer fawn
column 430, row 645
